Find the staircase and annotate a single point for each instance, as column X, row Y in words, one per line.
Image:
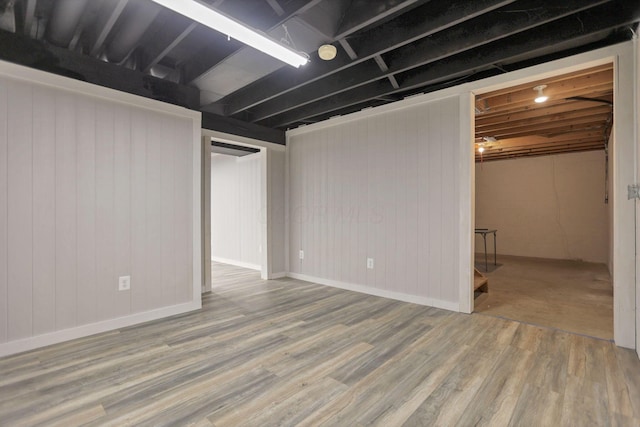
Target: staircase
column 480, row 282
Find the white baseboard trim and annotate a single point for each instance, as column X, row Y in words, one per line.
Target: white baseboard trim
column 237, row 263
column 56, row 337
column 278, row 275
column 430, row 302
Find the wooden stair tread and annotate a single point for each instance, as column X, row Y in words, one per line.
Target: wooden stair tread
column 480, row 282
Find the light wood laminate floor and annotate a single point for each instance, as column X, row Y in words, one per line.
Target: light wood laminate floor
column 287, row 352
column 569, row 295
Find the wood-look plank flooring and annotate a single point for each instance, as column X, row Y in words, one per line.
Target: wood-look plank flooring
column 568, row 295
column 287, row 352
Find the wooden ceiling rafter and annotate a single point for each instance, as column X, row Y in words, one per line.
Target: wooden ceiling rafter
column 522, row 128
column 536, row 113
column 568, row 76
column 572, row 115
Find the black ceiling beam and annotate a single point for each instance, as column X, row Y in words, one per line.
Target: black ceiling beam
column 504, row 22
column 276, row 7
column 435, row 16
column 202, row 62
column 577, row 26
column 175, row 29
column 361, row 14
column 348, row 49
column 29, row 15
column 25, row 51
column 238, row 127
column 106, row 26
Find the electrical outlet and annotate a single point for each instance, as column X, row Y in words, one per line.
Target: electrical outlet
column 370, row 263
column 124, row 283
column 301, row 254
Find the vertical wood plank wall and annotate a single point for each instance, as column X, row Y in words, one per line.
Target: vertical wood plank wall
column 236, row 233
column 276, row 192
column 636, row 46
column 90, row 190
column 381, row 187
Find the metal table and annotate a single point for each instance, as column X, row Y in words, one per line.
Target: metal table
column 484, row 232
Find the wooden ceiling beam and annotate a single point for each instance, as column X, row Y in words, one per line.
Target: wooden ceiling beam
column 541, row 126
column 536, row 139
column 556, row 132
column 539, row 113
column 596, row 92
column 550, row 80
column 555, row 91
column 549, row 107
column 550, row 145
column 542, row 152
column 482, row 127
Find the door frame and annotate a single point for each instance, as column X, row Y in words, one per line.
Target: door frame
column 623, row 173
column 266, row 149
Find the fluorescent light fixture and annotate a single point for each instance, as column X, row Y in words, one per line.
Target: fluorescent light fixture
column 541, row 96
column 208, row 17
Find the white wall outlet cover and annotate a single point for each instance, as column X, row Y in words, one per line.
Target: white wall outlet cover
column 301, row 254
column 124, row 283
column 370, row 263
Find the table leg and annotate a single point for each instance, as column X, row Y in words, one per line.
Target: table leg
column 486, row 266
column 495, row 253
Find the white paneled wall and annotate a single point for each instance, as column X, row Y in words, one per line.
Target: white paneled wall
column 90, row 190
column 381, row 187
column 236, row 231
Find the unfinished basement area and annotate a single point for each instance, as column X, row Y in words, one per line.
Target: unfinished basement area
column 543, row 181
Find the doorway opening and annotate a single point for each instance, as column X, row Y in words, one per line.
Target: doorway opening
column 542, row 197
column 236, row 208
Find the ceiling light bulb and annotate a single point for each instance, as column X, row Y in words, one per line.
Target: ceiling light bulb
column 481, row 149
column 327, row 52
column 541, row 96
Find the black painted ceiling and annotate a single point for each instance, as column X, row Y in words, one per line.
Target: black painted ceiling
column 387, row 49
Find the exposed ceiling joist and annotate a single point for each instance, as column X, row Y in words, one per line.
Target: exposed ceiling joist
column 348, row 49
column 103, row 31
column 496, row 25
column 37, row 54
column 29, row 16
column 363, row 13
column 556, row 91
column 390, row 35
column 276, row 7
column 526, row 128
column 390, row 49
column 575, row 27
column 202, row 63
column 532, row 114
column 572, row 116
column 176, row 29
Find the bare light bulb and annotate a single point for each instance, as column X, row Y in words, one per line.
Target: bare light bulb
column 541, row 96
column 481, row 149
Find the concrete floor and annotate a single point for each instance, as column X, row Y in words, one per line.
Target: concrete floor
column 567, row 295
